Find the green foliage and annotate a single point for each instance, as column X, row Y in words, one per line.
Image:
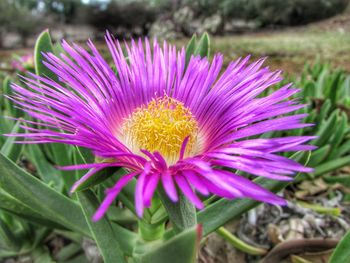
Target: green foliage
column 342, row 252
column 31, row 192
column 43, row 44
column 326, row 92
column 179, row 249
column 287, row 12
column 102, row 230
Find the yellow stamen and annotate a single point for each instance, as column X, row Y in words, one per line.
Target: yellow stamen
column 161, row 126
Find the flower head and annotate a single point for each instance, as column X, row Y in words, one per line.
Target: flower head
column 186, row 128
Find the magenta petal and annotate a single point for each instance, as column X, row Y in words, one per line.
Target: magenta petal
column 139, row 196
column 112, row 194
column 251, row 189
column 183, row 147
column 215, row 178
column 169, row 186
column 85, row 177
column 196, row 182
column 151, row 185
column 188, row 192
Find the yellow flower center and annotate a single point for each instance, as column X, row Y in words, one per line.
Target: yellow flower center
column 161, row 126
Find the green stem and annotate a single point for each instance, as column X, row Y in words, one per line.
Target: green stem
column 151, row 232
column 334, row 211
column 210, row 200
column 182, row 214
column 239, row 244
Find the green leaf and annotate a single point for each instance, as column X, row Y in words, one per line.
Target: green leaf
column 182, row 214
column 327, row 129
column 344, row 148
column 6, row 89
column 8, row 237
column 60, row 152
column 9, row 105
column 190, row 48
column 68, row 252
column 324, row 111
column 125, row 237
column 240, row 244
column 203, row 46
column 62, row 157
column 180, row 249
column 15, row 207
column 39, row 197
column 58, row 49
column 46, row 171
column 319, row 155
column 102, row 231
column 41, row 255
column 10, row 149
column 341, row 253
column 43, row 44
column 331, row 165
column 342, row 128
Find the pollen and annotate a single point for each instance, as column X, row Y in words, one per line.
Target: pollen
column 161, row 125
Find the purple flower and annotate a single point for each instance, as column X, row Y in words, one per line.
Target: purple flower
column 185, row 128
column 23, row 63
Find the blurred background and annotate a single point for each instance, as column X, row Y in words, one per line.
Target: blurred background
column 290, row 32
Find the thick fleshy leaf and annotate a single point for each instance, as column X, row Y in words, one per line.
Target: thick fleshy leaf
column 6, row 89
column 327, row 129
column 43, row 44
column 339, row 134
column 190, row 48
column 90, row 205
column 319, row 155
column 8, row 236
column 180, row 249
column 331, row 165
column 39, row 197
column 60, row 152
column 15, row 207
column 102, row 230
column 341, row 253
column 203, row 46
column 46, row 171
column 62, row 157
column 9, row 148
